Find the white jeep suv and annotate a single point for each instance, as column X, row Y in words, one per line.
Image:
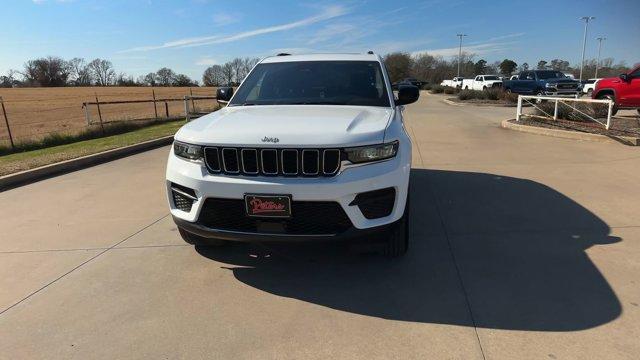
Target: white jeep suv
column 309, row 147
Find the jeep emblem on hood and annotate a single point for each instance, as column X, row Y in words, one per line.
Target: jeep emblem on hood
column 271, row 139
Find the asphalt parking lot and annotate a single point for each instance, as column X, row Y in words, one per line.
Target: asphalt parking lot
column 522, row 247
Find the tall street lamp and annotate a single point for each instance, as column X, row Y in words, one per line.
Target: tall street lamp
column 600, row 40
column 584, row 41
column 460, row 51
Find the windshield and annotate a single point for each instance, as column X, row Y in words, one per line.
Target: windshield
column 550, row 75
column 314, row 82
column 491, row 78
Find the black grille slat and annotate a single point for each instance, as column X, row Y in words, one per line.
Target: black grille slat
column 230, row 160
column 310, row 162
column 330, row 161
column 212, row 159
column 307, row 217
column 289, row 160
column 250, row 161
column 272, row 162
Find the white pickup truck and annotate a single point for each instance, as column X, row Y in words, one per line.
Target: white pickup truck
column 482, row 82
column 455, row 82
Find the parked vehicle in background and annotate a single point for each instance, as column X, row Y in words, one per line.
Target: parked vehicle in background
column 455, row 82
column 415, row 82
column 542, row 82
column 588, row 86
column 570, row 76
column 513, row 77
column 481, row 82
column 624, row 90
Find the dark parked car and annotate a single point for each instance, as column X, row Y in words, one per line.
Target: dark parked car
column 543, row 82
column 412, row 81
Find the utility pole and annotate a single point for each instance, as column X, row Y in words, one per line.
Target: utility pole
column 460, row 51
column 600, row 40
column 584, row 41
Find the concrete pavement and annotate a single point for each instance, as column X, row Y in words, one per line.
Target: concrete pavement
column 522, row 246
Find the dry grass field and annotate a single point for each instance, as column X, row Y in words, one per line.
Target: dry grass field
column 36, row 112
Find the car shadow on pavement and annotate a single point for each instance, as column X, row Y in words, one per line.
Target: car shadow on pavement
column 485, row 250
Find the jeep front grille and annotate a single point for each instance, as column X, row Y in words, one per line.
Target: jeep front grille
column 272, row 162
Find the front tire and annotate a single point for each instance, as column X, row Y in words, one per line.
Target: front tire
column 398, row 241
column 196, row 240
column 614, row 110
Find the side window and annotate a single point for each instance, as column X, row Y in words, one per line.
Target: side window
column 635, row 74
column 478, row 78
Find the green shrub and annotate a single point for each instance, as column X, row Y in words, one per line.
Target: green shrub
column 493, row 93
column 509, row 97
column 471, row 94
column 437, row 89
column 566, row 112
column 427, row 87
column 449, row 90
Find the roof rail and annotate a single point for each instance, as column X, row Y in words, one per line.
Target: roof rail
column 283, row 54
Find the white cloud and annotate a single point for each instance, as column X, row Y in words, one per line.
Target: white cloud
column 328, row 13
column 479, row 49
column 206, row 61
column 222, row 19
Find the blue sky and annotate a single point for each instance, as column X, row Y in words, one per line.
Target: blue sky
column 140, row 36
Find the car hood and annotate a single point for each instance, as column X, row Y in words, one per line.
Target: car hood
column 289, row 125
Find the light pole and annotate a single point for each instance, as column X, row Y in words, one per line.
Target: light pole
column 600, row 40
column 584, row 41
column 460, row 51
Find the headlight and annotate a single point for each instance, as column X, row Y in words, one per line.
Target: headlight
column 372, row 153
column 549, row 85
column 187, row 151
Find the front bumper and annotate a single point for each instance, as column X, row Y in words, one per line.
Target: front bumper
column 342, row 189
column 207, row 232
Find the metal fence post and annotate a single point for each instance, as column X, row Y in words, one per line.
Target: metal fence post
column 609, row 114
column 6, row 121
column 166, row 109
column 99, row 114
column 193, row 105
column 186, row 107
column 155, row 109
column 519, row 108
column 87, row 116
column 555, row 111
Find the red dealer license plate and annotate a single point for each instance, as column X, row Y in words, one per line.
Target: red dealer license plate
column 275, row 206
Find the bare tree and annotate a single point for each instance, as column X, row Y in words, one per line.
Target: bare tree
column 183, row 80
column 398, row 65
column 227, row 74
column 213, row 76
column 165, row 77
column 151, row 79
column 49, row 71
column 79, row 73
column 102, row 71
column 9, row 80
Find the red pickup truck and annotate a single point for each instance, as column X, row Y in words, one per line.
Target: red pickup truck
column 624, row 90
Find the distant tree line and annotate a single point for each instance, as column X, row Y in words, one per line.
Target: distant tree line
column 230, row 73
column 53, row 71
column 434, row 69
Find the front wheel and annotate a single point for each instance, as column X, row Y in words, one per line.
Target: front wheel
column 398, row 241
column 614, row 110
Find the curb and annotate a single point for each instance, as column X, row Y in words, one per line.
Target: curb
column 47, row 171
column 567, row 134
column 450, row 102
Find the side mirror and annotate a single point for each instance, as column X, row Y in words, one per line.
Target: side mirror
column 224, row 94
column 407, row 94
column 624, row 77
